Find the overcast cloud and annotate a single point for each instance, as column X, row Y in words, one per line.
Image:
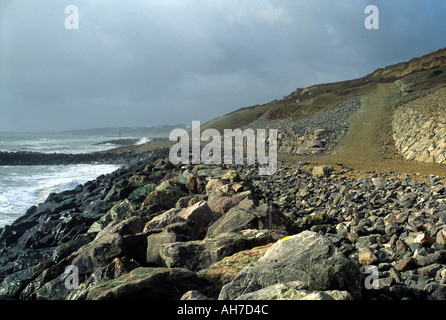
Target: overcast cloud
column 144, row 63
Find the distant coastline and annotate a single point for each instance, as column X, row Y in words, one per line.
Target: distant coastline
column 119, row 155
column 152, row 131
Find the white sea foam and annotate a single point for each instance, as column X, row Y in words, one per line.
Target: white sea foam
column 24, row 186
column 55, row 144
column 143, row 140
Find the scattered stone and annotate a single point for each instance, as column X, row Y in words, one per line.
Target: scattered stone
column 367, row 257
column 441, row 237
column 319, row 172
column 230, row 233
column 424, row 239
column 406, row 264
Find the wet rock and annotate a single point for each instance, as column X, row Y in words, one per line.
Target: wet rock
column 213, row 185
column 14, row 284
column 119, row 212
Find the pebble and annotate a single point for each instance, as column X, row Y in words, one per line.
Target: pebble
column 396, row 224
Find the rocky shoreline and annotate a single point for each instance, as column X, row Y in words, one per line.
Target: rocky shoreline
column 154, row 230
column 36, row 158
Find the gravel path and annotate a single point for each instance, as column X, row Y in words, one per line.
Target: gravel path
column 368, row 144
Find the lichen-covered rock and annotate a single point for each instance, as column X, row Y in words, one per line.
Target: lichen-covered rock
column 307, row 257
column 117, row 240
column 119, row 212
column 295, row 290
column 164, row 196
column 225, row 270
column 141, row 193
column 147, row 283
column 200, row 254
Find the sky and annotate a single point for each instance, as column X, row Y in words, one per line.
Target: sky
column 153, row 62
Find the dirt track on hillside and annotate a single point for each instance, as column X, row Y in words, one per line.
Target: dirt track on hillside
column 368, row 145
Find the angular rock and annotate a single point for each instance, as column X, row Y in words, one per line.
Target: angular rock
column 164, row 196
column 195, row 184
column 198, row 255
column 223, row 199
column 367, row 257
column 175, row 232
column 231, row 176
column 318, row 172
column 147, row 283
column 441, row 237
column 294, row 291
column 436, row 257
column 424, row 239
column 239, row 218
column 225, row 270
column 141, row 193
column 194, row 295
column 118, row 239
column 163, row 220
column 12, row 285
column 119, row 212
column 406, row 264
column 200, row 215
column 308, row 257
column 65, row 249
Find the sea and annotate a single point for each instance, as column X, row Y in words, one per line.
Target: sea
column 24, row 186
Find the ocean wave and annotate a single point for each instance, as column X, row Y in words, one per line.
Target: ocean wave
column 24, row 186
column 143, row 140
column 58, row 186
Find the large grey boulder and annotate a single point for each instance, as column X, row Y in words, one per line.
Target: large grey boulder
column 307, row 257
column 294, row 291
column 200, row 254
column 117, row 239
column 246, row 216
column 147, row 283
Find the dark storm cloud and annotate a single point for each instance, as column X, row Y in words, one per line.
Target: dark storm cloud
column 139, row 63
